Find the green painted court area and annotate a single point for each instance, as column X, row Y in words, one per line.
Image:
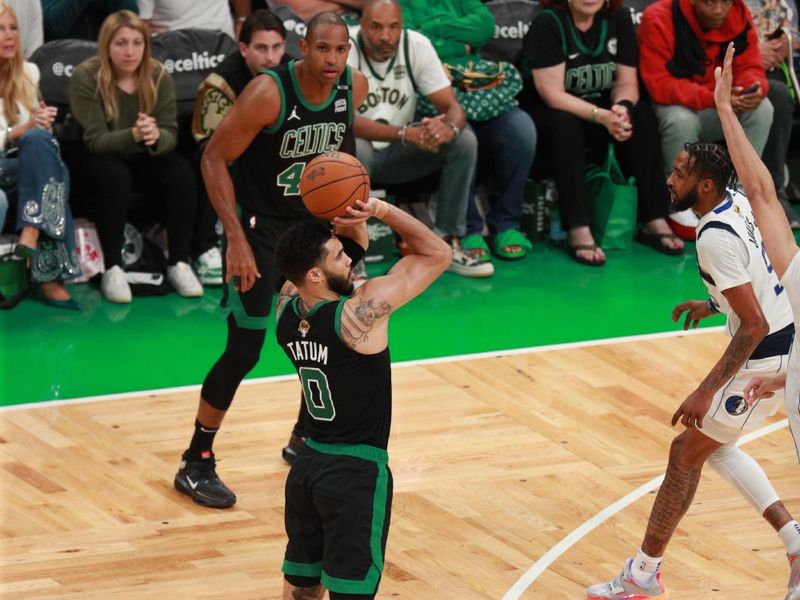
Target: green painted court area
column 160, row 342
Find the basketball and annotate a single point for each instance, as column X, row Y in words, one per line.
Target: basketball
column 331, row 182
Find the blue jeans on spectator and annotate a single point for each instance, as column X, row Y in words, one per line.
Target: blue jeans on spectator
column 507, row 145
column 400, row 163
column 3, row 209
column 43, row 203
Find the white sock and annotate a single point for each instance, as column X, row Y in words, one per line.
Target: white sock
column 644, row 567
column 790, row 536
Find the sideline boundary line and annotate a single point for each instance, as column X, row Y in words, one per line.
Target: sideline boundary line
column 403, row 364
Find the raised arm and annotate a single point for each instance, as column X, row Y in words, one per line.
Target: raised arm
column 366, row 315
column 780, row 245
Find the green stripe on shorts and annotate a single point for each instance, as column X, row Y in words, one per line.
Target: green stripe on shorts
column 240, row 315
column 302, row 569
column 369, row 584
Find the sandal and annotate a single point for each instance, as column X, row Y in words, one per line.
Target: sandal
column 654, row 240
column 476, row 247
column 511, row 244
column 573, row 253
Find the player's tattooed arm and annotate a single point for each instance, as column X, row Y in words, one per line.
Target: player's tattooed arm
column 359, row 318
column 288, row 291
column 738, row 351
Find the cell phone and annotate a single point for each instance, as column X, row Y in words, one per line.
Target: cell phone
column 751, row 89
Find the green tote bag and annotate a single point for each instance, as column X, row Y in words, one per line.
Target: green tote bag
column 612, row 204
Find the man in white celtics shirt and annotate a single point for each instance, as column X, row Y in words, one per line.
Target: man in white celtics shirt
column 782, row 252
column 400, row 63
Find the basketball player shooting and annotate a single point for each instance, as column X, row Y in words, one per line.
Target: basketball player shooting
column 283, row 119
column 339, row 489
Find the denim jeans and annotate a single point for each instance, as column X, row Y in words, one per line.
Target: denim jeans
column 3, row 209
column 398, row 163
column 43, row 203
column 678, row 125
column 507, row 145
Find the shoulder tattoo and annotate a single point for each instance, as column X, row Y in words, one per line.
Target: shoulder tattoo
column 358, row 320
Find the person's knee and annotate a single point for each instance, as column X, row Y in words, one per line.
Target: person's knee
column 759, row 119
column 35, row 135
column 464, row 147
column 680, row 121
column 686, row 451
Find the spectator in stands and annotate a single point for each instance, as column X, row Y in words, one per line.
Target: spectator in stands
column 680, row 44
column 583, row 94
column 125, row 102
column 507, row 143
column 304, row 9
column 81, row 19
column 31, row 26
column 776, row 30
column 399, row 63
column 262, row 40
column 169, row 15
column 30, row 164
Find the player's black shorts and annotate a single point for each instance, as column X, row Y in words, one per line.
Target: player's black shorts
column 338, row 508
column 251, row 309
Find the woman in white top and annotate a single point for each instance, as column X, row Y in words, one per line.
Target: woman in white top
column 31, row 169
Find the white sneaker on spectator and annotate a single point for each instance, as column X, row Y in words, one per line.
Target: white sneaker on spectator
column 208, row 267
column 182, row 278
column 114, row 286
column 466, row 263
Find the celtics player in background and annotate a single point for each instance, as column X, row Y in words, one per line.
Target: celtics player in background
column 339, row 489
column 282, row 120
column 783, row 254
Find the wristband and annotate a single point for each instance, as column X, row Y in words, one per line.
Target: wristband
column 381, row 209
column 712, row 307
column 402, row 135
column 594, row 114
column 454, row 127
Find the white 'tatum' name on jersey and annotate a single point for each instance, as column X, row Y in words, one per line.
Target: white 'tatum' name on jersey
column 308, row 350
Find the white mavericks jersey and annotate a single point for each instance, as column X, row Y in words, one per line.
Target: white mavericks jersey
column 394, row 84
column 730, row 252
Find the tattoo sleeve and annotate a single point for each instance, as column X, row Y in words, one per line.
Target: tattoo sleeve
column 357, row 321
column 738, row 351
column 672, row 502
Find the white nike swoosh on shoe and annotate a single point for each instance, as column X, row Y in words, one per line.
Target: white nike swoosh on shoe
column 192, row 484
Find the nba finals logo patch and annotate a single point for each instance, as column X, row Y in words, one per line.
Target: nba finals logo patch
column 340, row 105
column 736, row 405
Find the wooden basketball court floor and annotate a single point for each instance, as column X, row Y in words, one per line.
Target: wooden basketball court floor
column 504, row 466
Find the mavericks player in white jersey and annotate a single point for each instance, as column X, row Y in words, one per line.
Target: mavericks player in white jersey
column 782, row 251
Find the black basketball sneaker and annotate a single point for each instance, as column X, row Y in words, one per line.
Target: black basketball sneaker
column 197, row 478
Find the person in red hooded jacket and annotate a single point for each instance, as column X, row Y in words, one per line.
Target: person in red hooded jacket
column 681, row 42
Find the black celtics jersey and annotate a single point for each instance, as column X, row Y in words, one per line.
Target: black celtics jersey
column 267, row 174
column 590, row 57
column 347, row 395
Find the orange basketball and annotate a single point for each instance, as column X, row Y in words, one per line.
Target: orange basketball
column 331, row 182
